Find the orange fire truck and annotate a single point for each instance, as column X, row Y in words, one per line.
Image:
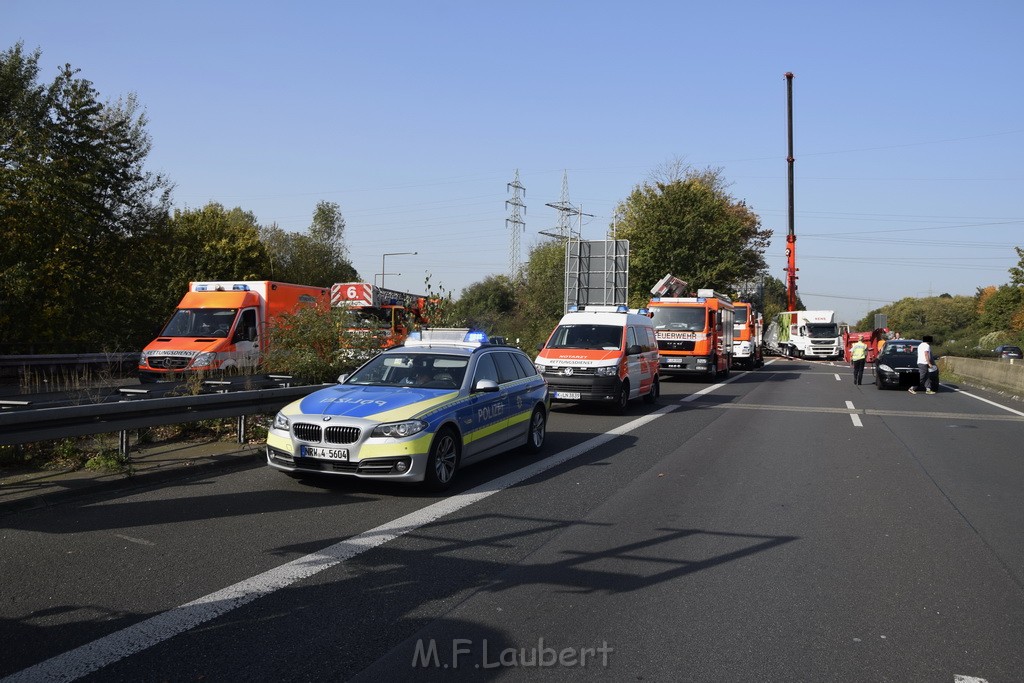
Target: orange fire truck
column 385, row 315
column 748, row 325
column 694, row 333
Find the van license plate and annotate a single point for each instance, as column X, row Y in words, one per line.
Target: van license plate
column 325, row 453
column 568, row 395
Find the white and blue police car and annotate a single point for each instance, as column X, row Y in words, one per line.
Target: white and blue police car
column 417, row 412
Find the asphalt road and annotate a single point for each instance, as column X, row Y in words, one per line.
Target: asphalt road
column 783, row 525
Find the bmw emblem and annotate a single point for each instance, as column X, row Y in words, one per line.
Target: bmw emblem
column 327, row 418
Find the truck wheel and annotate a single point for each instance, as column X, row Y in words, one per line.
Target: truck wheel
column 443, row 460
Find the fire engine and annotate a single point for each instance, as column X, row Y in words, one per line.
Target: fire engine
column 694, row 333
column 746, row 343
column 385, row 315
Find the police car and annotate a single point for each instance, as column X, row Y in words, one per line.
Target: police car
column 418, row 412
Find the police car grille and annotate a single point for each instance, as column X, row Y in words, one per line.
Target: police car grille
column 307, row 432
column 341, row 434
column 672, row 345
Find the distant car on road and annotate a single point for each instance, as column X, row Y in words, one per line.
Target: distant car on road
column 896, row 366
column 1007, row 351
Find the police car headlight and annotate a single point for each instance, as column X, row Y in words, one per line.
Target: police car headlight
column 282, row 422
column 398, row 430
column 606, row 371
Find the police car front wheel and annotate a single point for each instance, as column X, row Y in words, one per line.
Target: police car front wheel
column 538, row 430
column 442, row 461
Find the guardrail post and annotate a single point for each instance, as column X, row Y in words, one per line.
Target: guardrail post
column 123, row 449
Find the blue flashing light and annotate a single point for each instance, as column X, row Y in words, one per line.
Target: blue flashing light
column 622, row 308
column 202, row 288
column 701, row 299
column 657, row 298
column 643, row 311
column 476, row 337
column 414, row 336
column 239, row 288
column 573, row 308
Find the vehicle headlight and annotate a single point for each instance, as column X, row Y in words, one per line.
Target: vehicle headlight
column 885, row 368
column 282, row 422
column 398, row 430
column 144, row 357
column 203, row 360
column 540, row 368
column 606, row 371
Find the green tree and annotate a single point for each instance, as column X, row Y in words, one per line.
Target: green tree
column 317, row 257
column 1000, row 309
column 74, row 200
column 488, row 305
column 691, row 227
column 540, row 297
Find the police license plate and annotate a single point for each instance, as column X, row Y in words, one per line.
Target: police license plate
column 325, row 453
column 568, row 395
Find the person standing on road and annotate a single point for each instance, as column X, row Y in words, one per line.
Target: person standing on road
column 858, row 356
column 924, row 367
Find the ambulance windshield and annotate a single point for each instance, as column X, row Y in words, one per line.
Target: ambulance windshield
column 200, row 322
column 607, row 337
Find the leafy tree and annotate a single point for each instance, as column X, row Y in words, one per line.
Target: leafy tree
column 690, row 227
column 540, row 298
column 317, row 257
column 1017, row 272
column 488, row 305
column 74, row 201
column 773, row 296
column 1000, row 308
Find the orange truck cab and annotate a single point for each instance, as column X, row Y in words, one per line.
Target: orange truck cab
column 221, row 325
column 747, row 351
column 695, row 333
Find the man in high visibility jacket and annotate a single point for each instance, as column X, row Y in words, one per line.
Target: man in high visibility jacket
column 858, row 356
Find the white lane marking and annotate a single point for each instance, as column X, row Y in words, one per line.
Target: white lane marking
column 854, row 416
column 993, row 403
column 140, row 541
column 838, row 378
column 960, row 678
column 112, row 648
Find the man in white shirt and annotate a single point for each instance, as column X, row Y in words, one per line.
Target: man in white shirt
column 924, row 366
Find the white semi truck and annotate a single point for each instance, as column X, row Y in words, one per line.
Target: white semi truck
column 809, row 334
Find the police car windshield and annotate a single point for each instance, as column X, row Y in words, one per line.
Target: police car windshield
column 586, row 337
column 424, row 370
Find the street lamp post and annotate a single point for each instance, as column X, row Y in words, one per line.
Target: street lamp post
column 384, row 259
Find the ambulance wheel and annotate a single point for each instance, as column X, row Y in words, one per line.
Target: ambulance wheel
column 623, row 401
column 654, row 393
column 442, row 461
column 538, row 430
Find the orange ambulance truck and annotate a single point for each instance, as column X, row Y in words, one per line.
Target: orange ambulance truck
column 221, row 325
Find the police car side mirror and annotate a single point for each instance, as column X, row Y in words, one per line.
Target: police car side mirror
column 485, row 386
column 342, row 378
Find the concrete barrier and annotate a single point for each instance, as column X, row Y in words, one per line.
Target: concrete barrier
column 1005, row 376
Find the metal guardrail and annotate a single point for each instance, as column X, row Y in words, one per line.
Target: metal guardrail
column 49, row 424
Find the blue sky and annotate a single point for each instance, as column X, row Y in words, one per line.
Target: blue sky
column 414, row 116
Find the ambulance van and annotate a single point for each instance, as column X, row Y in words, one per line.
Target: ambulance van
column 601, row 354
